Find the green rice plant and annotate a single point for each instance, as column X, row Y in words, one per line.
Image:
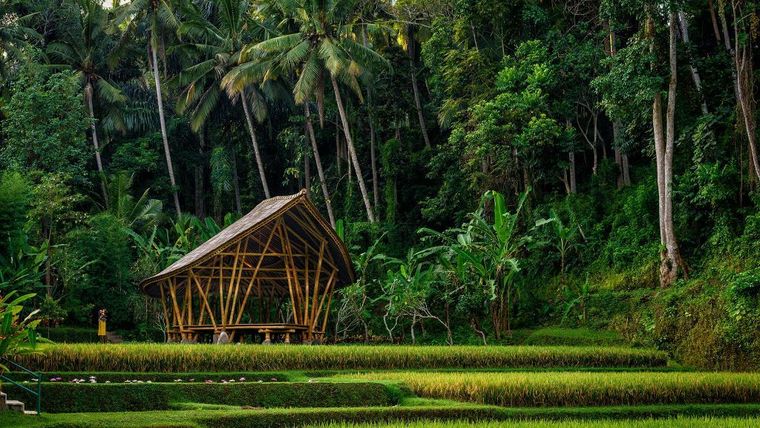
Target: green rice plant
column 647, row 423
column 580, row 388
column 188, row 358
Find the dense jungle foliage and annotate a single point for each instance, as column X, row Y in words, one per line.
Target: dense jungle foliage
column 493, row 165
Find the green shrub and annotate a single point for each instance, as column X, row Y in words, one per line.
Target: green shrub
column 112, row 397
column 188, row 358
column 573, row 337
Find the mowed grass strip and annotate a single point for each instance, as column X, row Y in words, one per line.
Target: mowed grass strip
column 579, row 388
column 238, row 418
column 187, row 358
column 648, row 423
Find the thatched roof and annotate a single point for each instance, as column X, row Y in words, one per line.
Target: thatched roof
column 260, row 222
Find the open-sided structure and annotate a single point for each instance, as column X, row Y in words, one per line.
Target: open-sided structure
column 274, row 271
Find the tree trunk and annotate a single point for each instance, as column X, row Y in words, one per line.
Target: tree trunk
column 659, row 147
column 373, row 156
column 352, row 150
column 162, row 120
column 714, row 20
column 318, row 161
column 744, row 90
column 411, row 51
column 670, row 259
column 255, row 144
column 727, row 45
column 236, row 182
column 200, row 206
column 95, row 144
column 621, row 159
column 307, row 174
column 573, row 187
column 684, row 26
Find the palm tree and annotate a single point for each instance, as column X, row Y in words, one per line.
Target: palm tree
column 140, row 213
column 157, row 16
column 324, row 43
column 14, row 36
column 81, row 49
column 219, row 40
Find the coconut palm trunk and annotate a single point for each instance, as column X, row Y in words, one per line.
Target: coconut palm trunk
column 352, row 150
column 252, row 132
column 95, row 144
column 162, row 120
column 412, row 52
column 318, row 161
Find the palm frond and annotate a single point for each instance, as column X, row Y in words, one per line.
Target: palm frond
column 109, row 92
column 307, row 82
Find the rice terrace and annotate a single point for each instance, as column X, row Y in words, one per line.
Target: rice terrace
column 379, row 213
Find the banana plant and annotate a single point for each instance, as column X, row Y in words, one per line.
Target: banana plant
column 17, row 333
column 483, row 257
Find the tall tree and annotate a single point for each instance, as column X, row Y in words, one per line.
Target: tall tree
column 324, row 43
column 156, row 16
column 670, row 256
column 215, row 42
column 83, row 49
column 744, row 18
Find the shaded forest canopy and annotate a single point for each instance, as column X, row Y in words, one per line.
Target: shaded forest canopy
column 492, row 165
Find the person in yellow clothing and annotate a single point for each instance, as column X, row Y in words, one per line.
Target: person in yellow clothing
column 102, row 325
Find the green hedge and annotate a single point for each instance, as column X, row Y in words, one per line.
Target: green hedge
column 301, row 417
column 68, row 397
column 573, row 337
column 189, row 358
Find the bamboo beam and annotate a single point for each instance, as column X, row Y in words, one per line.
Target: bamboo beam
column 167, row 320
column 255, row 274
column 177, row 313
column 316, row 281
column 225, row 319
column 294, row 270
column 328, row 290
column 309, row 246
column 220, row 296
column 306, row 291
column 205, row 301
column 255, row 254
column 290, row 280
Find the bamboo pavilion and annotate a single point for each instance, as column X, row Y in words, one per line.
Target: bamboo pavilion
column 270, row 275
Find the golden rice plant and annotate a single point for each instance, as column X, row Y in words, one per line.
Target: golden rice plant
column 681, row 422
column 185, row 357
column 580, row 388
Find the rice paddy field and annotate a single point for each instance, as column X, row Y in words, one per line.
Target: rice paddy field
column 182, row 358
column 650, row 423
column 141, row 385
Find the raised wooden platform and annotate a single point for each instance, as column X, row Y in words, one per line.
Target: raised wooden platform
column 266, row 329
